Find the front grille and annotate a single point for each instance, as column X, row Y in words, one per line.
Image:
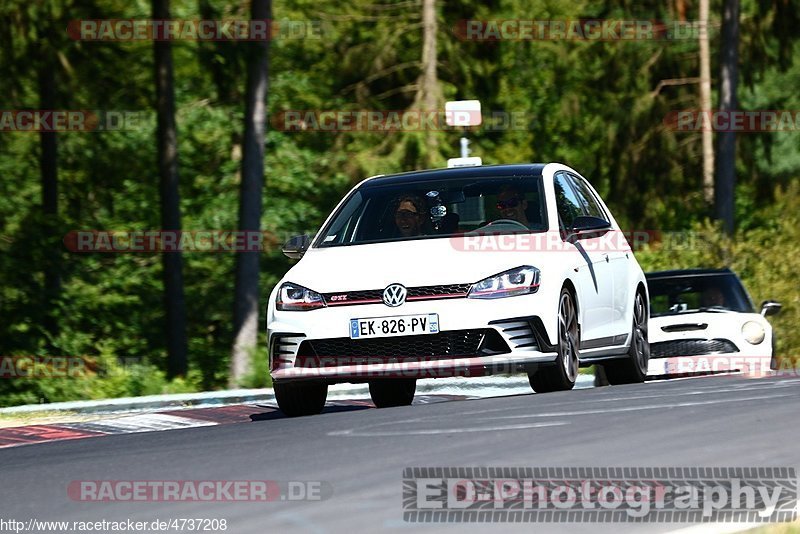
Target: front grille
column 367, row 296
column 440, row 290
column 444, row 345
column 691, row 347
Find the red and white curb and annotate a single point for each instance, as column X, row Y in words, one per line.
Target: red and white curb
column 169, row 420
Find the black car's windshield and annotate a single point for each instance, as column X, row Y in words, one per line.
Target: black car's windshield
column 437, row 208
column 691, row 294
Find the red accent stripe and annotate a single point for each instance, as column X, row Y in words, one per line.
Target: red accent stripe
column 503, row 290
column 434, row 297
column 344, row 302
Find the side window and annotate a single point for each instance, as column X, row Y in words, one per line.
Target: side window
column 586, row 198
column 568, row 204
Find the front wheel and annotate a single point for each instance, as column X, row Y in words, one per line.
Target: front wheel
column 392, row 392
column 562, row 375
column 633, row 368
column 302, row 398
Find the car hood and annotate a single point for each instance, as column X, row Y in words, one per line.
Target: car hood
column 411, row 263
column 701, row 325
column 692, row 318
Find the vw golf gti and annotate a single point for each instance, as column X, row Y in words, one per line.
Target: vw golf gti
column 458, row 272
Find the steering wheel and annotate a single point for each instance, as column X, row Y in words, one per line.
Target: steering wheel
column 506, row 221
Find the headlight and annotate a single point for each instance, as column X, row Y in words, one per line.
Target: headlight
column 520, row 281
column 292, row 297
column 753, row 332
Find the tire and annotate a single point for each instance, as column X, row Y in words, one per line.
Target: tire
column 389, row 393
column 302, row 398
column 633, row 368
column 562, row 375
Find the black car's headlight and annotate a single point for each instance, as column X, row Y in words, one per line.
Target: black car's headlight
column 292, row 297
column 520, row 281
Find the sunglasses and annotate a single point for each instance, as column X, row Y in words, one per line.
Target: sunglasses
column 508, row 204
column 406, row 214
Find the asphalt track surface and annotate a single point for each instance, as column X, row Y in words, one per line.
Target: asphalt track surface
column 360, row 453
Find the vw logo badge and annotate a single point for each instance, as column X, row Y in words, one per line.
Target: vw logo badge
column 394, row 295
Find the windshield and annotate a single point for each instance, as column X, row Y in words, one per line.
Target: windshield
column 691, row 294
column 437, row 208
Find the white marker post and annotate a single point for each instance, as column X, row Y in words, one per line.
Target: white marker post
column 463, row 113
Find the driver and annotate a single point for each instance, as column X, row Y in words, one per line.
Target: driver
column 712, row 296
column 512, row 205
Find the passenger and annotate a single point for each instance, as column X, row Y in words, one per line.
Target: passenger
column 409, row 216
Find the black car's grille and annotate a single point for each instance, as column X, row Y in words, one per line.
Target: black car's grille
column 342, row 351
column 369, row 296
column 691, row 347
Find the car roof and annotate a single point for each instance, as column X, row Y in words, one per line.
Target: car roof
column 482, row 171
column 685, row 273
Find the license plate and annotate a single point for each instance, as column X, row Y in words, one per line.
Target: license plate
column 403, row 325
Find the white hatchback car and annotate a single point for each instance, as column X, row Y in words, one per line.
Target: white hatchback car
column 451, row 272
column 703, row 321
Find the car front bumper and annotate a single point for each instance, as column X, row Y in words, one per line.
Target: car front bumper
column 476, row 337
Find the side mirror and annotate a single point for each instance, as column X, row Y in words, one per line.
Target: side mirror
column 587, row 226
column 770, row 307
column 296, row 246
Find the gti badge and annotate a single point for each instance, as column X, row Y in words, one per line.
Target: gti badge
column 394, row 295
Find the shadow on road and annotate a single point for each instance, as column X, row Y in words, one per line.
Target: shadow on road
column 275, row 413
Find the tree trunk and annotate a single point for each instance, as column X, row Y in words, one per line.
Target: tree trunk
column 726, row 147
column 429, row 94
column 705, row 105
column 167, row 139
column 246, row 298
column 680, row 8
column 48, row 167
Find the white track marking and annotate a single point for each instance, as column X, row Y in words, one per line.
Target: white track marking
column 434, row 431
column 139, row 423
column 635, row 408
